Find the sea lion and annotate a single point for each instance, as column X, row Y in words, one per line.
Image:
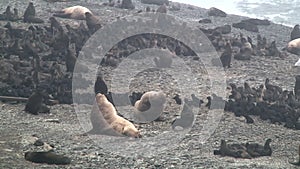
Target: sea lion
column 295, row 34
column 74, row 12
column 118, row 123
column 48, row 157
column 100, row 125
column 294, row 46
column 150, row 106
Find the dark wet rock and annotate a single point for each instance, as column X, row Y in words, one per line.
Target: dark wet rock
column 216, row 12
column 162, row 9
column 248, row 26
column 257, row 21
column 205, row 21
column 155, row 2
column 127, row 4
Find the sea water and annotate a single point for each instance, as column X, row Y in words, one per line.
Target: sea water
column 286, row 12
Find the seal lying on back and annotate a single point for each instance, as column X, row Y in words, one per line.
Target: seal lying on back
column 74, row 12
column 118, row 123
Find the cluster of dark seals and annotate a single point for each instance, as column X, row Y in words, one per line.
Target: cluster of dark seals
column 142, row 41
column 8, row 15
column 244, row 150
column 239, row 47
column 268, row 101
column 28, row 17
column 42, row 52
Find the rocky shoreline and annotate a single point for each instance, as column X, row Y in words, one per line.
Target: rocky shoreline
column 62, row 128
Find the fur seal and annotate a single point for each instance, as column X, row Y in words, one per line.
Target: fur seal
column 256, row 150
column 35, row 105
column 74, row 12
column 226, row 56
column 297, row 87
column 100, row 86
column 233, row 150
column 29, row 15
column 186, row 118
column 47, row 157
column 150, row 106
column 294, row 46
column 297, row 163
column 118, row 123
column 295, row 34
column 92, row 22
column 70, row 60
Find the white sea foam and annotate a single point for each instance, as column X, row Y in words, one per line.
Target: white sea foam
column 279, row 11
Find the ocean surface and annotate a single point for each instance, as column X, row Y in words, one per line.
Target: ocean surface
column 286, row 12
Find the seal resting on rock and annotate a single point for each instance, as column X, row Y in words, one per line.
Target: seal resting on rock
column 257, row 150
column 118, row 123
column 74, row 12
column 294, row 46
column 47, row 157
column 150, row 106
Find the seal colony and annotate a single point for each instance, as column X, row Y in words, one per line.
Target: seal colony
column 270, row 99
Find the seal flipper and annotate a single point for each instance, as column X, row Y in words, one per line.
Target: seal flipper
column 62, row 15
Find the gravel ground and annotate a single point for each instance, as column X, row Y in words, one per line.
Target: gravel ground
column 195, row 150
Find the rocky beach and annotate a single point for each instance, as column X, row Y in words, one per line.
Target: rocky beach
column 62, row 130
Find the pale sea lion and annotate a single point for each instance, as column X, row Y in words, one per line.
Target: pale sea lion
column 150, row 106
column 118, row 123
column 100, row 126
column 74, row 12
column 294, row 46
